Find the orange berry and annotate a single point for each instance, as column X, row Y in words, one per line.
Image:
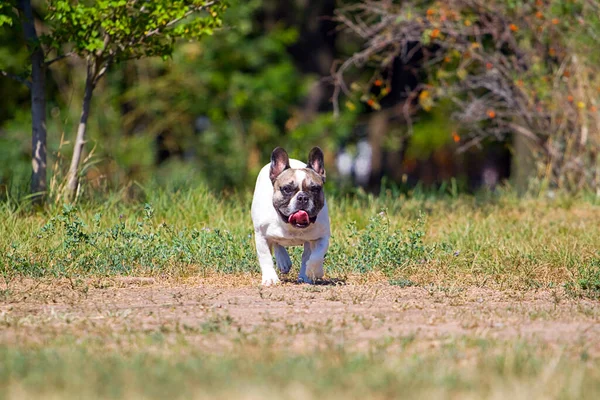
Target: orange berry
column 555, row 21
column 455, row 137
column 430, row 12
column 491, row 114
column 593, row 109
column 378, row 82
column 567, row 73
column 513, row 27
column 435, row 33
column 539, row 14
column 570, row 98
column 551, row 52
column 489, row 65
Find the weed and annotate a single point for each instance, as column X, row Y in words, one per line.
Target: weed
column 216, row 324
column 401, row 282
column 587, row 280
column 378, row 247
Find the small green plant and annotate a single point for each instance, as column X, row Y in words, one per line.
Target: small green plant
column 380, row 248
column 587, row 280
column 73, row 247
column 402, row 282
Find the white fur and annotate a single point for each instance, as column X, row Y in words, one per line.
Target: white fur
column 271, row 233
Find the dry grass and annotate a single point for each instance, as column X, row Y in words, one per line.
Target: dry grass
column 137, row 338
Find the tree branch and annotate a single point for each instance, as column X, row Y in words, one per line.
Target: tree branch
column 16, row 78
column 58, row 58
column 104, row 67
column 176, row 20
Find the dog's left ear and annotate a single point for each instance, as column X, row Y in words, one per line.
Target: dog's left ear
column 315, row 162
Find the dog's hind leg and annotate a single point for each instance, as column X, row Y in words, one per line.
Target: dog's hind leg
column 282, row 258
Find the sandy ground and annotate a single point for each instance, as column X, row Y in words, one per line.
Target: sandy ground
column 218, row 317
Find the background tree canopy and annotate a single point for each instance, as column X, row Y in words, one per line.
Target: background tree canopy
column 410, row 92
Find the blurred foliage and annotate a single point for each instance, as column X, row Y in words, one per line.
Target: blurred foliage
column 212, row 112
column 431, row 132
column 510, row 68
column 219, row 98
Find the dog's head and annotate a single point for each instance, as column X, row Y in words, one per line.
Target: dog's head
column 298, row 192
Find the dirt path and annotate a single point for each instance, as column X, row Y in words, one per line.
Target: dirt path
column 218, row 318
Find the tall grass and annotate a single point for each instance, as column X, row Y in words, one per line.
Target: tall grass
column 498, row 240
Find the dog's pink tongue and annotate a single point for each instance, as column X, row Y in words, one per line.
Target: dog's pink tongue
column 299, row 218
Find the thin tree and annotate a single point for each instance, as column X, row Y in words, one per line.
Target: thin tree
column 103, row 33
column 35, row 81
column 108, row 32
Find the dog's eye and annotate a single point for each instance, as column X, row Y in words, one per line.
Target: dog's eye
column 315, row 189
column 287, row 190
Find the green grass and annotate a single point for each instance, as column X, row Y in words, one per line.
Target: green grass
column 501, row 241
column 488, row 369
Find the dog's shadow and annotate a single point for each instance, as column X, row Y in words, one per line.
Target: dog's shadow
column 318, row 282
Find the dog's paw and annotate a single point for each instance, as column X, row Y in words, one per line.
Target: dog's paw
column 305, row 279
column 314, row 269
column 282, row 259
column 270, row 280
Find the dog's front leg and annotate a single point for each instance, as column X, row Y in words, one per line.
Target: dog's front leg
column 282, row 258
column 312, row 260
column 305, row 256
column 265, row 259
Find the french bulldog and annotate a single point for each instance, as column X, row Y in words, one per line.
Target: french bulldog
column 289, row 209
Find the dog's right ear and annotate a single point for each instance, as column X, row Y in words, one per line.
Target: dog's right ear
column 280, row 161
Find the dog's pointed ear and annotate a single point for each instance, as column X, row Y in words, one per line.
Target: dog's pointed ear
column 315, row 161
column 280, row 161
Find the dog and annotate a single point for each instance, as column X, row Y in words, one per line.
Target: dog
column 289, row 209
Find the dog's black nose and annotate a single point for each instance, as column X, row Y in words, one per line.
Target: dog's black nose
column 302, row 199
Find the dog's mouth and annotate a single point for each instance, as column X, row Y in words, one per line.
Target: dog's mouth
column 299, row 219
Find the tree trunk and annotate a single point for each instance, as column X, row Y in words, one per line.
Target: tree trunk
column 73, row 174
column 38, row 103
column 523, row 163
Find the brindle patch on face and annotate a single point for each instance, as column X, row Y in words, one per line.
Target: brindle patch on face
column 282, row 200
column 313, row 186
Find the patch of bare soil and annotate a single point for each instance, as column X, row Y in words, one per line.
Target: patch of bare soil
column 296, row 317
